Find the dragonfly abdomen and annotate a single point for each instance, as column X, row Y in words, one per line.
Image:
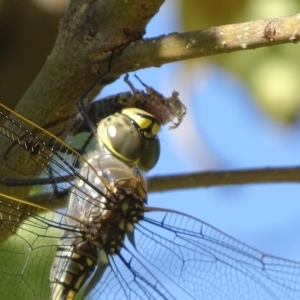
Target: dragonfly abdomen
column 75, row 261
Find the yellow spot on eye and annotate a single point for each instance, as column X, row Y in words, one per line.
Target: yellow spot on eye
column 144, row 120
column 112, row 131
column 155, row 129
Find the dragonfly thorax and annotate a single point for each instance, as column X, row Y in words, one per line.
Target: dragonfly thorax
column 131, row 136
column 106, row 202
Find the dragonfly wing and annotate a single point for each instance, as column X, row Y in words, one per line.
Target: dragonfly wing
column 207, row 264
column 33, row 162
column 127, row 278
column 27, row 249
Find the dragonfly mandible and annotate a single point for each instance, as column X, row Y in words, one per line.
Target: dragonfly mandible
column 107, row 243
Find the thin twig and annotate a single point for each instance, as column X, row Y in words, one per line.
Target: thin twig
column 219, row 178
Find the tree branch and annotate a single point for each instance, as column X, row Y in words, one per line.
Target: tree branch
column 211, row 41
column 221, row 178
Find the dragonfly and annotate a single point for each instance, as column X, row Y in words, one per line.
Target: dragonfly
column 106, row 241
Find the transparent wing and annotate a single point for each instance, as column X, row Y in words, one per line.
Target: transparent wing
column 207, row 264
column 29, row 153
column 27, row 249
column 127, row 278
column 203, row 262
column 29, row 234
column 27, row 254
column 33, row 162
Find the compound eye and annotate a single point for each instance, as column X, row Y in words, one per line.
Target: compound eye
column 125, row 139
column 131, row 139
column 150, row 154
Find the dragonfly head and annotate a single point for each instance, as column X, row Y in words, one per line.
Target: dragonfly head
column 131, row 135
